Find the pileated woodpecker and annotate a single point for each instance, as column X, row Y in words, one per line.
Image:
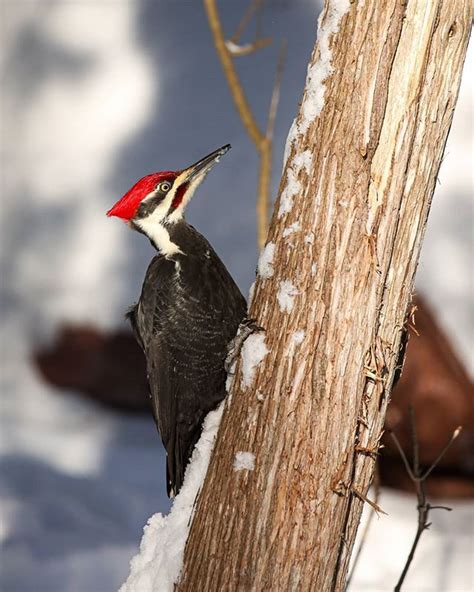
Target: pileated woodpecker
column 189, row 310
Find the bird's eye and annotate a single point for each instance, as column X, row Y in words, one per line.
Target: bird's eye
column 165, row 186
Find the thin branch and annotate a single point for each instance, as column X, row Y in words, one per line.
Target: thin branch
column 227, row 50
column 263, row 191
column 414, row 442
column 263, row 195
column 456, row 433
column 419, row 480
column 272, row 111
column 365, row 499
column 411, row 320
column 240, row 100
column 405, row 460
column 255, row 6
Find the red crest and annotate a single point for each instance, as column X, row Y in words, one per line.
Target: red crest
column 128, row 205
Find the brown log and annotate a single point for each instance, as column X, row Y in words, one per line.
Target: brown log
column 106, row 367
column 362, row 206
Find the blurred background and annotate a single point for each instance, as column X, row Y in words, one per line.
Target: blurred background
column 94, row 96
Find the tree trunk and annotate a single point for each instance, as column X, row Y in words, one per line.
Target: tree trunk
column 333, row 291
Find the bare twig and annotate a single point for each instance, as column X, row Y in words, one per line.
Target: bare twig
column 227, row 50
column 456, row 433
column 418, row 480
column 411, row 320
column 406, row 462
column 263, row 192
column 240, row 100
column 373, row 504
column 272, row 111
column 254, row 6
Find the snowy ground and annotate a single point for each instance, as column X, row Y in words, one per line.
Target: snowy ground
column 96, row 95
column 443, row 561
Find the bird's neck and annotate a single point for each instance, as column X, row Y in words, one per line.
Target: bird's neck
column 163, row 236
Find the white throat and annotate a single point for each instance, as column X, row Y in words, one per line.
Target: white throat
column 160, row 237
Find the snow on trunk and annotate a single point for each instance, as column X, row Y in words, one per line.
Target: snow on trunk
column 157, row 566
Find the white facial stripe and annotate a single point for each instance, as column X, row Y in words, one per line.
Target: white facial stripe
column 152, row 223
column 160, row 212
column 179, row 211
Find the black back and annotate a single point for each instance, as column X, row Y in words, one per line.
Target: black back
column 189, row 310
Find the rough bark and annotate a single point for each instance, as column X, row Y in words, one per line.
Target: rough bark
column 314, row 413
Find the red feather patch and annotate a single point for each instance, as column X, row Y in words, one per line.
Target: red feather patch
column 128, row 205
column 178, row 198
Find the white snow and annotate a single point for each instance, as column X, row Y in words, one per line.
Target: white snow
column 63, row 168
column 232, row 47
column 244, row 461
column 308, row 239
column 157, row 566
column 291, row 229
column 78, row 480
column 289, row 141
column 286, row 295
column 314, row 269
column 292, row 188
column 443, row 559
column 236, row 49
column 312, row 105
column 303, row 161
column 265, row 262
column 315, row 89
column 254, row 351
column 298, row 337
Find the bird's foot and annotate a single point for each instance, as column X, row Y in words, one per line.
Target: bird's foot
column 246, row 328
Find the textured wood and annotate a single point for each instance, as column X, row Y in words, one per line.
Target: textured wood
column 314, row 407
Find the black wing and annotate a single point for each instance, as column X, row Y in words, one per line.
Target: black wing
column 188, row 312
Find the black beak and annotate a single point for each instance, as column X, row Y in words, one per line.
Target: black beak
column 201, row 167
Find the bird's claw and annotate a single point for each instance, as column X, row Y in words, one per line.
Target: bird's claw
column 246, row 328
